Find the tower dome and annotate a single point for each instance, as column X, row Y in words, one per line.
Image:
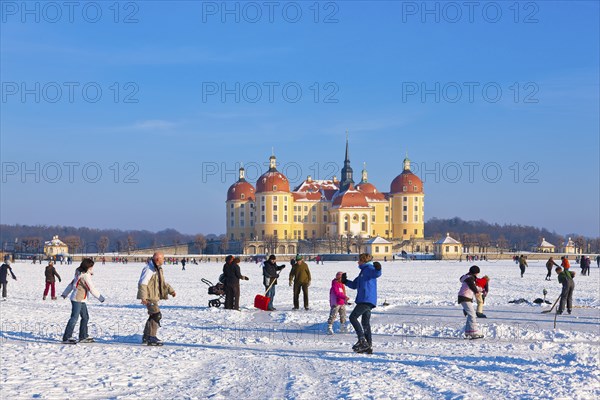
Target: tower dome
column 272, row 180
column 406, row 182
column 242, row 189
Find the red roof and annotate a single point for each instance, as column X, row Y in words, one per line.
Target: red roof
column 350, row 198
column 406, row 182
column 241, row 190
column 272, row 181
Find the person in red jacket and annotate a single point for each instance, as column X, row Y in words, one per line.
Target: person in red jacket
column 483, row 285
column 51, row 276
column 565, row 263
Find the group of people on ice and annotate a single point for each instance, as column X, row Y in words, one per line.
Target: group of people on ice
column 152, row 288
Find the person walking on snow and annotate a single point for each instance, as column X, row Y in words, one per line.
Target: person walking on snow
column 366, row 299
column 549, row 264
column 51, row 276
column 466, row 293
column 151, row 289
column 568, row 285
column 483, row 284
column 337, row 302
column 4, row 270
column 79, row 288
column 231, row 280
column 300, row 278
column 522, row 264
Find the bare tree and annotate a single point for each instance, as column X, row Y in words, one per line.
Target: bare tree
column 271, row 243
column 103, row 244
column 200, row 242
column 73, row 242
column 224, row 243
column 360, row 241
column 130, row 244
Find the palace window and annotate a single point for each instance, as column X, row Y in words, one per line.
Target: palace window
column 404, row 231
column 387, row 218
column 262, row 218
column 274, row 198
column 314, row 218
column 242, row 223
column 275, row 218
column 404, row 208
column 404, row 218
column 404, row 188
column 231, row 205
column 275, row 207
column 415, row 231
column 275, row 188
column 405, row 198
column 285, row 218
column 364, row 223
column 324, row 218
column 242, row 196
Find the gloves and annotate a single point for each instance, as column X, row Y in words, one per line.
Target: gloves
column 377, row 266
column 101, row 298
column 245, row 278
column 60, row 280
column 344, row 278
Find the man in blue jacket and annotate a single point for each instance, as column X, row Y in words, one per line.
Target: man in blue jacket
column 366, row 300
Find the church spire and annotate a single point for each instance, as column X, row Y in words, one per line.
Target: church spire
column 347, row 179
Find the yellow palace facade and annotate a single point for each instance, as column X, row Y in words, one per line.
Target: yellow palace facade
column 320, row 209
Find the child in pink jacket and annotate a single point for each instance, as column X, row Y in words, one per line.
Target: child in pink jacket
column 337, row 301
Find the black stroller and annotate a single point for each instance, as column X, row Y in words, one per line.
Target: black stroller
column 217, row 290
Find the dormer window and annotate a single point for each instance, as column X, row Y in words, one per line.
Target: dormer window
column 274, row 188
column 404, row 188
column 415, row 189
column 242, row 196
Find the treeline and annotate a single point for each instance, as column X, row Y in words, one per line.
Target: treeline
column 27, row 238
column 508, row 236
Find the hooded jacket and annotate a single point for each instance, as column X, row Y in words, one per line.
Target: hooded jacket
column 366, row 284
column 467, row 289
column 80, row 286
column 149, row 286
column 337, row 293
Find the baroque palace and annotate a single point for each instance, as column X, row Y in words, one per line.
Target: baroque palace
column 320, row 209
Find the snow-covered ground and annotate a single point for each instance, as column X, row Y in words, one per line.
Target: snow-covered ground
column 251, row 354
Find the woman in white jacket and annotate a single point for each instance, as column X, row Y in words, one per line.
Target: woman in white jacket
column 79, row 288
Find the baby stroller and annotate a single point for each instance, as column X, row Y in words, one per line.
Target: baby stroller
column 218, row 290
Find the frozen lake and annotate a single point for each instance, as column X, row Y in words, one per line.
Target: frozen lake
column 251, row 354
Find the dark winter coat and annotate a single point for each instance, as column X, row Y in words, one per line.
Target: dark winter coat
column 50, row 273
column 271, row 272
column 4, row 269
column 300, row 274
column 366, row 284
column 232, row 275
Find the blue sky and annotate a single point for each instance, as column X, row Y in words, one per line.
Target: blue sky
column 509, row 90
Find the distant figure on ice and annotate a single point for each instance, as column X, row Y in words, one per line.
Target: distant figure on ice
column 270, row 275
column 152, row 288
column 79, row 288
column 337, row 302
column 585, row 269
column 4, row 270
column 231, row 280
column 51, row 276
column 183, row 261
column 522, row 264
column 366, row 300
column 300, row 278
column 565, row 263
column 549, row 265
column 466, row 293
column 483, row 284
column 565, row 277
column 598, row 260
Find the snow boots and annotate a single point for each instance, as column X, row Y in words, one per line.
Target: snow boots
column 153, row 341
column 330, row 329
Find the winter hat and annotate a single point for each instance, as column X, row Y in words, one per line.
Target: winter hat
column 474, row 270
column 228, row 259
column 272, row 257
column 298, row 257
column 339, row 275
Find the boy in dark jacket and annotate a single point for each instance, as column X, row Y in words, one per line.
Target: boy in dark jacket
column 51, row 273
column 4, row 270
column 270, row 275
column 231, row 280
column 568, row 285
column 366, row 300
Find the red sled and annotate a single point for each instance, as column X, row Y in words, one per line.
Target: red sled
column 262, row 302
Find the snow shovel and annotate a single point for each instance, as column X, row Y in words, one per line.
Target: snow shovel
column 262, row 302
column 552, row 308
